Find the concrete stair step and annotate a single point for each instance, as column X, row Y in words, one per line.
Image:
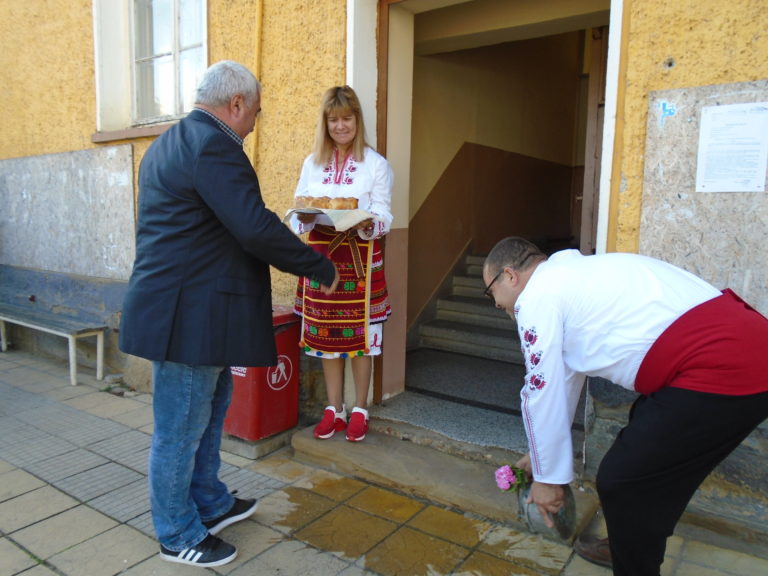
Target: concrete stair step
column 470, row 286
column 475, row 311
column 473, row 340
column 729, row 509
column 474, row 265
column 472, row 260
column 455, row 425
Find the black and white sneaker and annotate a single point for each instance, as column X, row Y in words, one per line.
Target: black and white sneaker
column 210, row 552
column 240, row 510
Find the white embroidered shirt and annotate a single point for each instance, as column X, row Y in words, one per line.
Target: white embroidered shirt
column 590, row 316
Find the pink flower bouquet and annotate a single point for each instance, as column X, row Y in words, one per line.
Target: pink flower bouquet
column 510, row 478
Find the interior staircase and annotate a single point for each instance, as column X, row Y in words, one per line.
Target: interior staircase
column 466, row 323
column 469, row 354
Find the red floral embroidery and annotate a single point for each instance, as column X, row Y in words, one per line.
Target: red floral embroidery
column 340, row 174
column 535, row 358
column 530, row 337
column 536, row 382
column 349, row 168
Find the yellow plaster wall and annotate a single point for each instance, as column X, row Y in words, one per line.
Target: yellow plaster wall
column 47, row 84
column 296, row 48
column 234, row 32
column 670, row 45
column 303, row 54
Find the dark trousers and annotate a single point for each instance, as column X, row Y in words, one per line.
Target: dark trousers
column 674, row 439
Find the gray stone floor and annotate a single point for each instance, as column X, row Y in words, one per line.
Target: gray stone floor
column 73, row 502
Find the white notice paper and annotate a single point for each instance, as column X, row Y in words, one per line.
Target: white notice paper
column 733, row 148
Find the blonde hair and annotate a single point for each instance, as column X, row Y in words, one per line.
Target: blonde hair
column 338, row 100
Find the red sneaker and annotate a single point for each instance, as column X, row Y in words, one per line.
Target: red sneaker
column 358, row 425
column 331, row 423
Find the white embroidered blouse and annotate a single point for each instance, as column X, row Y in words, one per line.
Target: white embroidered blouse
column 370, row 181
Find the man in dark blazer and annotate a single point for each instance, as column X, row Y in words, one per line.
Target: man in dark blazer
column 199, row 301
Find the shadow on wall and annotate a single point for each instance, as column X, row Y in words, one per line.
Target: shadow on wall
column 484, row 195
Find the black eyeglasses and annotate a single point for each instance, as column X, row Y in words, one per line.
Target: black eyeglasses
column 519, row 266
column 487, row 291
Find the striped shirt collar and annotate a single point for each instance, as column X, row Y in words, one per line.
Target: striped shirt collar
column 231, row 133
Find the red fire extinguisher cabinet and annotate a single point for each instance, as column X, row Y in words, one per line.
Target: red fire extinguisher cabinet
column 265, row 400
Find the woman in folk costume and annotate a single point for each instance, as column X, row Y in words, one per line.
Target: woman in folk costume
column 343, row 172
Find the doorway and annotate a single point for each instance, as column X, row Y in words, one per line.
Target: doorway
column 503, row 132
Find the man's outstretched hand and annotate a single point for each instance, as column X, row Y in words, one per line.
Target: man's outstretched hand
column 330, row 289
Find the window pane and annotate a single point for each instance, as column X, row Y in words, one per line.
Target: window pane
column 190, row 23
column 192, row 68
column 155, row 88
column 169, row 57
column 154, row 27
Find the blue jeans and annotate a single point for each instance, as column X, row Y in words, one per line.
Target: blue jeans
column 189, row 403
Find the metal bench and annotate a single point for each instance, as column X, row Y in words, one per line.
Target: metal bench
column 69, row 328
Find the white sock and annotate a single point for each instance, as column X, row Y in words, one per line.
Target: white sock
column 342, row 414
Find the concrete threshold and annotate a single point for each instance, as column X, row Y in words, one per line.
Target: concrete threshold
column 423, row 472
column 460, row 476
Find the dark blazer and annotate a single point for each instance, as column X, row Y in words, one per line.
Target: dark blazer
column 200, row 292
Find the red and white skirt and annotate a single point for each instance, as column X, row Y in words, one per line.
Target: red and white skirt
column 349, row 321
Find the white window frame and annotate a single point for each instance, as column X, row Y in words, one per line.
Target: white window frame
column 176, row 54
column 114, row 64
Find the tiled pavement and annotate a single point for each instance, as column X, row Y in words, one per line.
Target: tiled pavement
column 73, row 502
